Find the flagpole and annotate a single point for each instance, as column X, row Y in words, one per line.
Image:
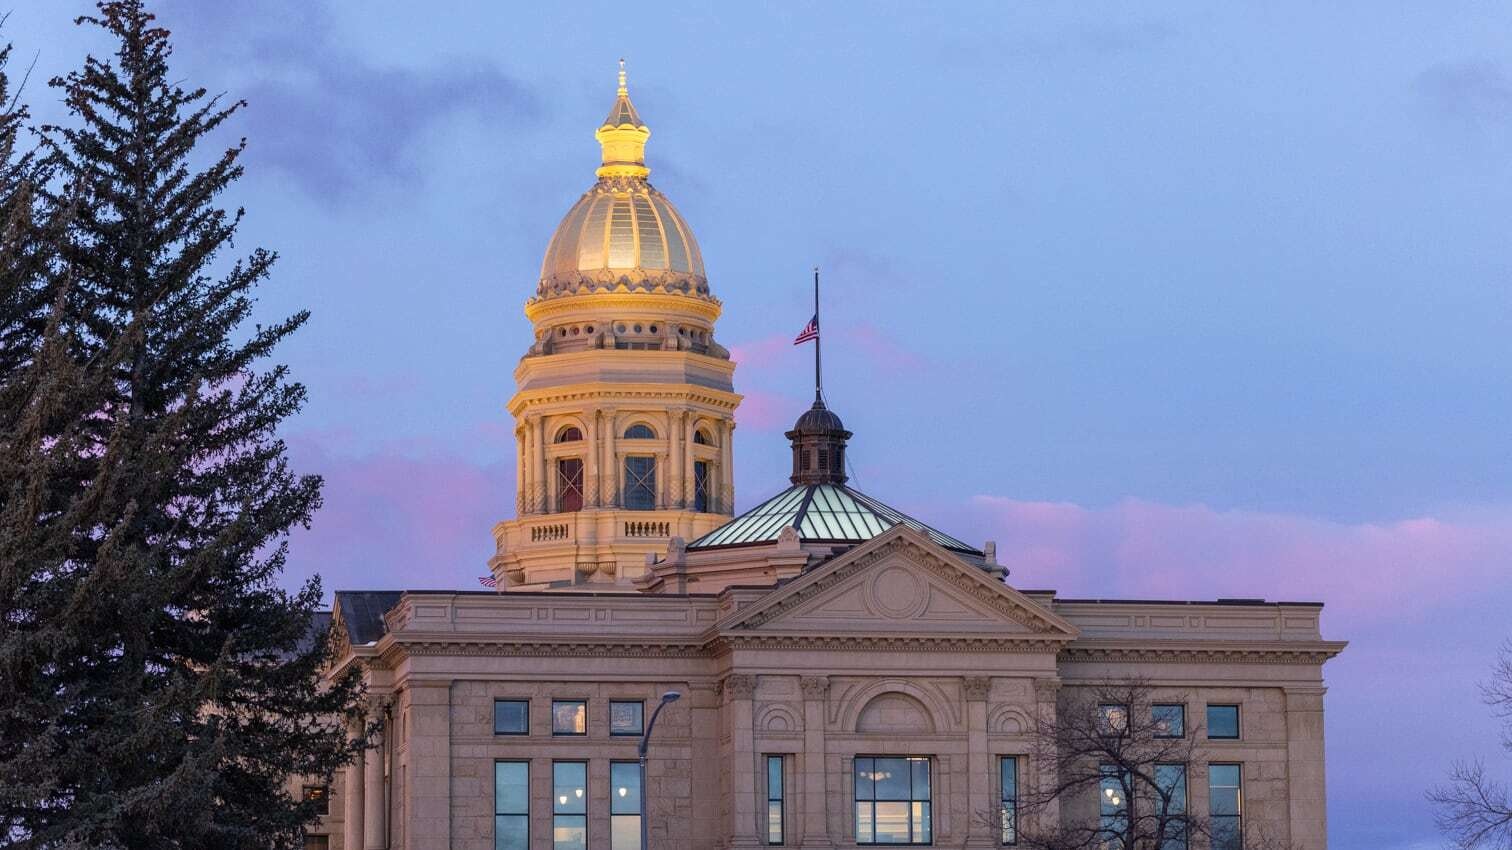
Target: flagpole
column 818, row 375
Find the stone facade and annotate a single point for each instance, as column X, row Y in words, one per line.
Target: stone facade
column 895, row 647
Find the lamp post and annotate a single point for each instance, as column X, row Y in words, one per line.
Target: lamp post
column 668, row 697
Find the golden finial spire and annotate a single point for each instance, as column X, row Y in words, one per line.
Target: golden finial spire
column 623, row 136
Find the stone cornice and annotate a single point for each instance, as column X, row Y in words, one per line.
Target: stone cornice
column 889, row 643
column 598, row 392
column 548, row 649
column 1216, row 652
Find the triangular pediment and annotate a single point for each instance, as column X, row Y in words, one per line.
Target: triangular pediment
column 900, row 583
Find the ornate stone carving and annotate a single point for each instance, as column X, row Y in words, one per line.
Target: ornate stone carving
column 976, row 687
column 814, row 687
column 739, row 685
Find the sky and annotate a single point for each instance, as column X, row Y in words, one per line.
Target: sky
column 1169, row 299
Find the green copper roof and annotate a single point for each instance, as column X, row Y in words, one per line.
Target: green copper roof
column 822, row 513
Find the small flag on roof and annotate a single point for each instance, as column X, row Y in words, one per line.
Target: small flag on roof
column 488, row 581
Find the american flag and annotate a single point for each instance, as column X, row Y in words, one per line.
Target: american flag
column 810, row 331
column 488, row 581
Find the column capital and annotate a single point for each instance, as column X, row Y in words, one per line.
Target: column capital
column 737, row 686
column 976, row 687
column 814, row 687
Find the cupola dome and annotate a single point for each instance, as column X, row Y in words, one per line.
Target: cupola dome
column 622, row 232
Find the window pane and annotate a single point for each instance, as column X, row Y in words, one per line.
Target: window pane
column 624, row 788
column 1112, row 719
column 511, row 832
column 1171, row 778
column 1223, row 721
column 864, row 831
column 569, row 718
column 774, row 777
column 640, row 483
column 774, row 822
column 1008, row 781
column 892, row 777
column 1170, row 721
column 700, row 486
column 892, row 823
column 625, row 717
column 569, row 832
column 865, row 787
column 1224, row 801
column 511, row 717
column 511, row 788
column 624, row 832
column 921, row 826
column 569, row 787
column 920, row 779
column 1227, row 834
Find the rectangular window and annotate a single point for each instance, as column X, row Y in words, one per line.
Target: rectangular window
column 775, row 796
column 701, row 486
column 511, row 717
column 569, row 805
column 1170, row 720
column 1171, row 807
column 640, row 483
column 892, row 800
column 624, row 805
column 1113, row 805
column 569, row 717
column 626, row 717
column 511, row 805
column 317, row 842
column 1008, row 784
column 320, row 795
column 1223, row 721
column 1226, row 806
column 570, row 484
column 1112, row 719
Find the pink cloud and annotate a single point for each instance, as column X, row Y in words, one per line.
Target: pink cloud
column 1145, row 549
column 763, row 352
column 763, row 411
column 398, row 517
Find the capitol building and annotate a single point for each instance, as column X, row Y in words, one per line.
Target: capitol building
column 828, row 671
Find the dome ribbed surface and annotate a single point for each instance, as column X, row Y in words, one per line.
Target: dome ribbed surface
column 623, row 231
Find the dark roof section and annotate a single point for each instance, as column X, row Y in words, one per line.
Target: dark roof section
column 1219, row 601
column 362, row 612
column 822, row 513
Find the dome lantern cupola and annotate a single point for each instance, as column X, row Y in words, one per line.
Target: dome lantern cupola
column 623, row 137
column 819, row 439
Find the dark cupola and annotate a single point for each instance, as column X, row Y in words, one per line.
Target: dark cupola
column 818, row 447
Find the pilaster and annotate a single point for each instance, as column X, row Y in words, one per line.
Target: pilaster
column 428, row 772
column 1306, row 797
column 375, row 800
column 354, row 808
column 738, row 692
column 980, row 784
column 815, row 827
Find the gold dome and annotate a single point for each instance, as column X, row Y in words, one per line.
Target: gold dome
column 622, row 231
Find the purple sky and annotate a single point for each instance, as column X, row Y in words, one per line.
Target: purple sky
column 1172, row 300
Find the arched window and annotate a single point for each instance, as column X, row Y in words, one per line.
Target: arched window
column 701, row 486
column 640, row 431
column 570, row 434
column 640, row 483
column 701, row 437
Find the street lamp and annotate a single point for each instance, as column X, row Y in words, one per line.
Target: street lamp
column 668, row 697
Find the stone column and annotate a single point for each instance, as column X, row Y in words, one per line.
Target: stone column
column 727, row 468
column 677, row 448
column 520, row 483
column 610, row 471
column 689, row 425
column 980, row 784
column 814, row 831
column 738, row 691
column 375, row 807
column 353, row 810
column 428, row 768
column 1308, row 813
column 539, row 462
column 591, row 461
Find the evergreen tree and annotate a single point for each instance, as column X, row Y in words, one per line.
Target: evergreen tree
column 157, row 686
